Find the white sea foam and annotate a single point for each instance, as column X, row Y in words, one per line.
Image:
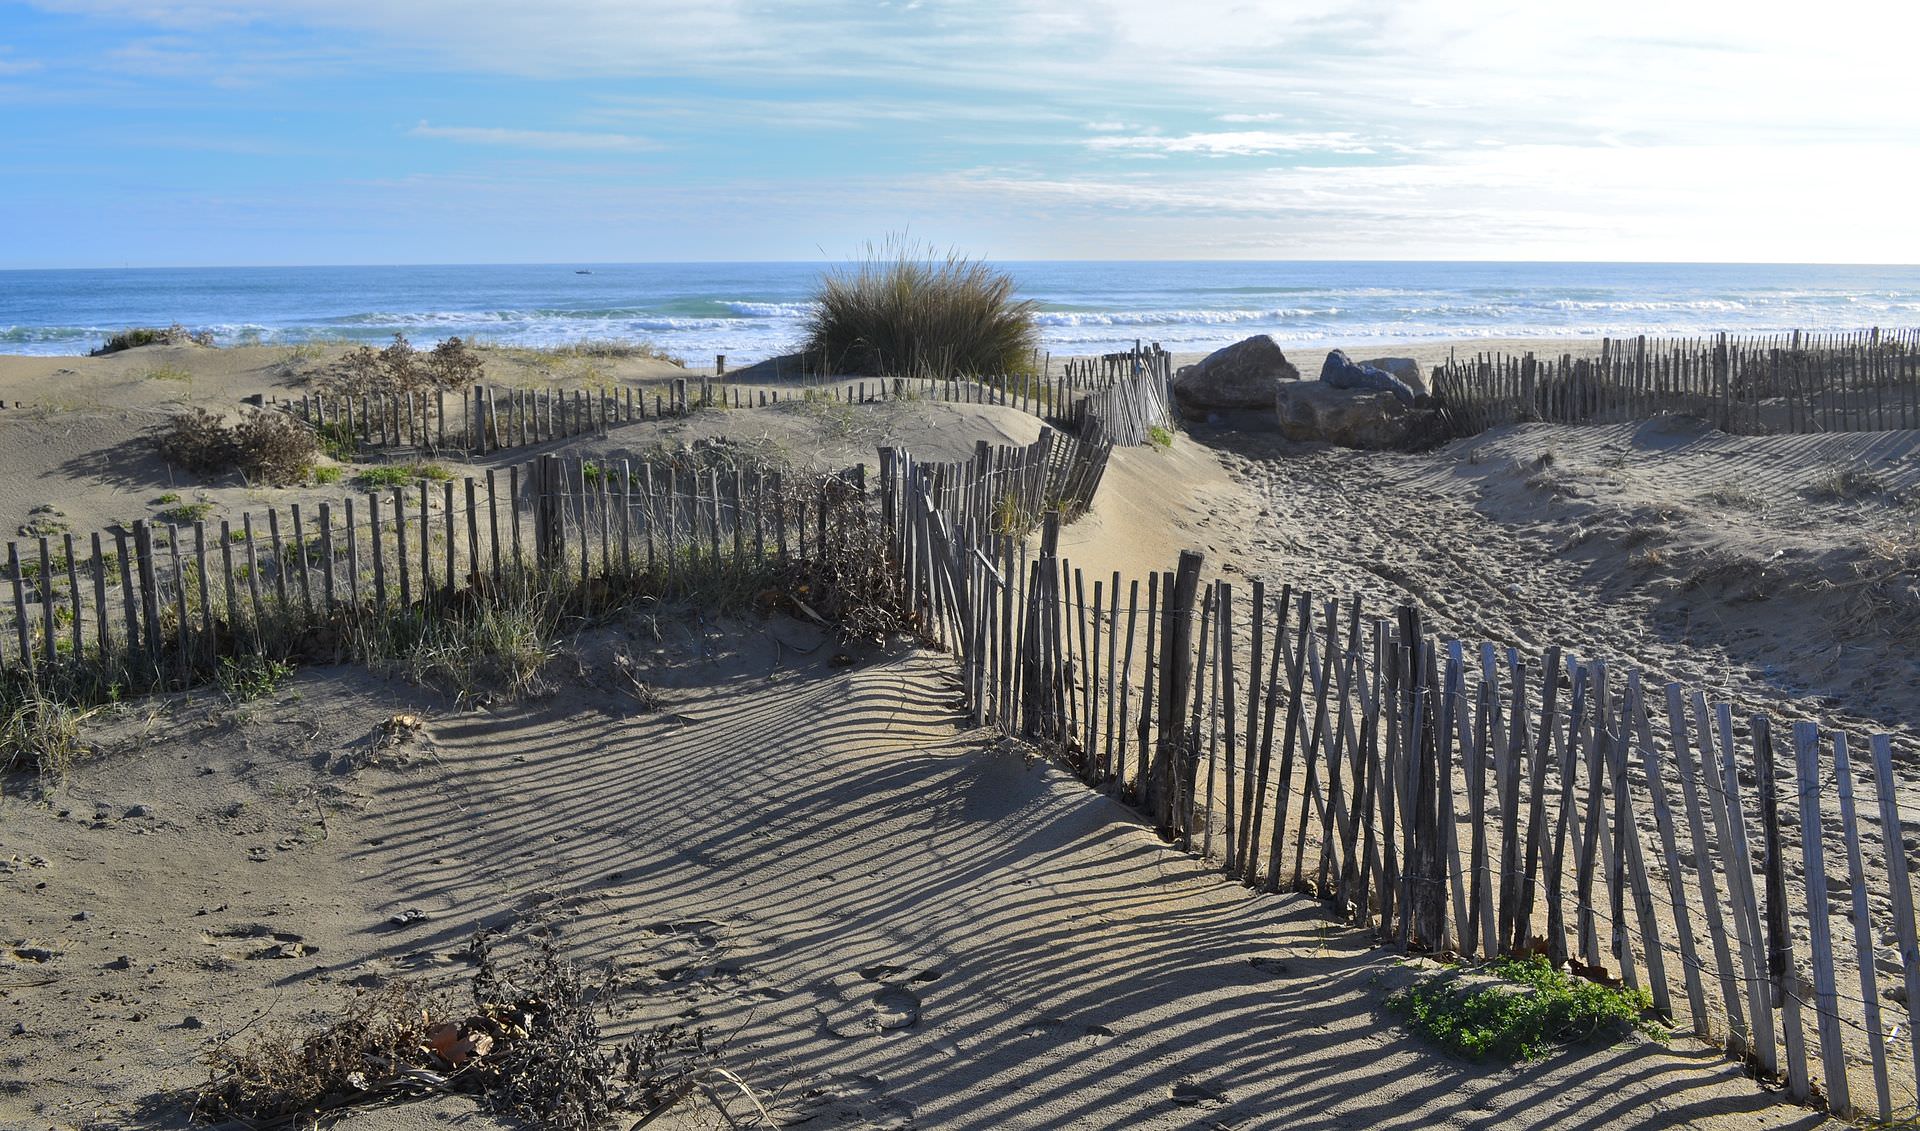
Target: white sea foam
column 751, row 311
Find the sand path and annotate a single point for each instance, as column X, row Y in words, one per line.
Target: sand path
column 798, row 854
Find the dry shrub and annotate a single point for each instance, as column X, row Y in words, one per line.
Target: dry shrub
column 379, row 1034
column 398, row 368
column 1885, row 587
column 530, row 1049
column 266, row 446
column 173, row 335
column 1845, row 485
column 198, row 441
column 273, row 447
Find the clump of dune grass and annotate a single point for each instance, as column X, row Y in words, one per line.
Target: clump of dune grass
column 474, row 650
column 174, row 335
column 1845, row 485
column 587, row 350
column 40, row 731
column 907, row 311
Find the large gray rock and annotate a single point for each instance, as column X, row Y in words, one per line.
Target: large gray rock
column 1342, row 373
column 1407, row 369
column 1242, row 375
column 1349, row 418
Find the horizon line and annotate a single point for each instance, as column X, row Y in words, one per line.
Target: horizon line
column 572, row 263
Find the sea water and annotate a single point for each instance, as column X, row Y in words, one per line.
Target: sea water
column 750, row 311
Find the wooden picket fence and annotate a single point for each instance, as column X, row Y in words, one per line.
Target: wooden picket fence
column 1127, row 412
column 158, row 606
column 486, row 418
column 1454, row 797
column 1794, row 383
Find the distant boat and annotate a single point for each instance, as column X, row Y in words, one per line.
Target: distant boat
column 583, row 271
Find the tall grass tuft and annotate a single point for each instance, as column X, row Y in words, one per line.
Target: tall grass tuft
column 909, row 311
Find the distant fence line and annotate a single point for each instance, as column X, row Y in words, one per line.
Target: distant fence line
column 490, row 418
column 1800, row 383
column 1448, row 796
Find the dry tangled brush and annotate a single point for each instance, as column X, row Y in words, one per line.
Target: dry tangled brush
column 265, row 446
column 528, row 1047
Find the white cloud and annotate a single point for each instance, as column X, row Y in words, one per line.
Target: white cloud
column 535, row 139
column 1238, row 143
column 1537, row 201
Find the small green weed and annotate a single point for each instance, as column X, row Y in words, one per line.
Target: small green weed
column 186, row 514
column 251, row 677
column 401, row 474
column 169, row 373
column 337, row 441
column 169, row 497
column 326, row 476
column 1160, row 437
column 1539, row 1008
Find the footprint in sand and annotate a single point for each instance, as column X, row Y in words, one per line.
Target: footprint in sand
column 852, row 1005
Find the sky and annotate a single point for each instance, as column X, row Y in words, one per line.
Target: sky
column 214, row 132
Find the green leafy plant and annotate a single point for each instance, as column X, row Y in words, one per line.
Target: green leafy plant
column 1160, row 437
column 337, row 440
column 1530, row 1009
column 327, row 475
column 251, row 677
column 186, row 514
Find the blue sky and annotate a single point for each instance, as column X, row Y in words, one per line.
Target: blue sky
column 142, row 132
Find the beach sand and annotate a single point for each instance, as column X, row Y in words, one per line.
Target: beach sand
column 793, row 842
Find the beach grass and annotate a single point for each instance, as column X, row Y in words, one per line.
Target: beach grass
column 908, row 311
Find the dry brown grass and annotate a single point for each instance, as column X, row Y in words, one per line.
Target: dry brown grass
column 530, row 1048
column 1846, row 485
column 266, row 446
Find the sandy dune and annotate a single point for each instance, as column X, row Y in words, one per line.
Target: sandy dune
column 794, row 848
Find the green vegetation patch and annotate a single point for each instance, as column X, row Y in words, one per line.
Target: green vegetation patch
column 1160, row 437
column 186, row 514
column 174, row 335
column 251, row 677
column 44, row 520
column 1515, row 1009
column 401, row 474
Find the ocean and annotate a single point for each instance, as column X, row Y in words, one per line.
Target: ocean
column 751, row 311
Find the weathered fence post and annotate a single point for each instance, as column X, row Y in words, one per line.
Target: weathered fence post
column 1176, row 681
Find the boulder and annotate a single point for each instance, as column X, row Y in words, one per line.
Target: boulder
column 1245, row 374
column 1349, row 418
column 1405, row 368
column 1340, row 372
